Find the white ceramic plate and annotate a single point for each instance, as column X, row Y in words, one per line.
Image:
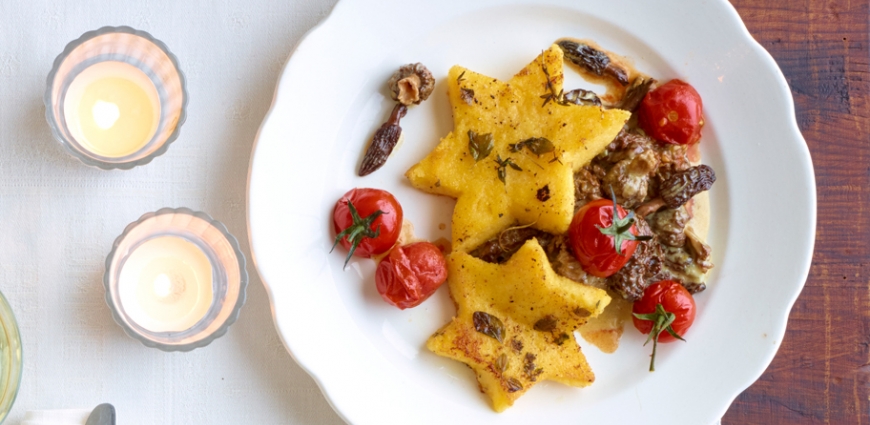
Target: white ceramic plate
column 369, row 358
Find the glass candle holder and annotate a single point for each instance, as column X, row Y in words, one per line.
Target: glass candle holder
column 115, row 98
column 10, row 358
column 175, row 279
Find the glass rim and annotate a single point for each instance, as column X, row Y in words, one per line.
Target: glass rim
column 52, row 119
column 17, row 368
column 233, row 315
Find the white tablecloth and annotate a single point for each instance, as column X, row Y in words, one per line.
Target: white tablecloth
column 58, row 217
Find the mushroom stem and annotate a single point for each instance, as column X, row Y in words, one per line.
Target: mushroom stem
column 649, row 207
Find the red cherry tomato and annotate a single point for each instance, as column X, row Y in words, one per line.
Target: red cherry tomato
column 672, row 113
column 410, row 274
column 592, row 246
column 665, row 307
column 675, row 299
column 367, row 222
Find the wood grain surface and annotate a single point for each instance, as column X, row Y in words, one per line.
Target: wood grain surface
column 821, row 374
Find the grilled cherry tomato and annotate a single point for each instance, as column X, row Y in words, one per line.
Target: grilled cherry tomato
column 601, row 242
column 410, row 274
column 672, row 113
column 367, row 222
column 665, row 312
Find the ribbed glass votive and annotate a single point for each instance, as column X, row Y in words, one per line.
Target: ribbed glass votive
column 115, row 98
column 175, row 279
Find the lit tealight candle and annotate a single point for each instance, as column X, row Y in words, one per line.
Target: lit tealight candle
column 175, row 279
column 115, row 98
column 112, row 109
column 166, row 284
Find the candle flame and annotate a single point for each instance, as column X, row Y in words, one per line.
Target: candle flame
column 162, row 285
column 106, row 114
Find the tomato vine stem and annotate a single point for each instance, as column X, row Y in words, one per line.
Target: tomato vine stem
column 359, row 230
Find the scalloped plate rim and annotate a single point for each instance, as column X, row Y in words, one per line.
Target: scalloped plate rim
column 794, row 133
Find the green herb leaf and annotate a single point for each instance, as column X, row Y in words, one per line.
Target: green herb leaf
column 514, row 385
column 488, row 325
column 540, row 145
column 467, row 95
column 530, row 369
column 480, row 145
column 573, row 97
column 546, row 324
column 502, row 362
column 502, row 167
column 552, row 95
column 536, row 145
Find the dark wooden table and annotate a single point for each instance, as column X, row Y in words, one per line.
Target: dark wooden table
column 821, row 374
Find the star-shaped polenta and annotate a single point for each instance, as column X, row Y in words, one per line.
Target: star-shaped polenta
column 514, row 111
column 514, row 323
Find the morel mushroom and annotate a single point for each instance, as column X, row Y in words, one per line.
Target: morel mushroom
column 677, row 189
column 383, row 142
column 635, row 93
column 669, row 225
column 593, row 60
column 412, row 83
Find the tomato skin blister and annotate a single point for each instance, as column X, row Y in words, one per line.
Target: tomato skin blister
column 410, row 274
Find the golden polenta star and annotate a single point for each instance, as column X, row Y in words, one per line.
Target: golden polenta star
column 509, row 184
column 514, row 323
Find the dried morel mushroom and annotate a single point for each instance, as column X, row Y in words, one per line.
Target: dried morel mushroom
column 593, row 60
column 383, row 142
column 412, row 83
